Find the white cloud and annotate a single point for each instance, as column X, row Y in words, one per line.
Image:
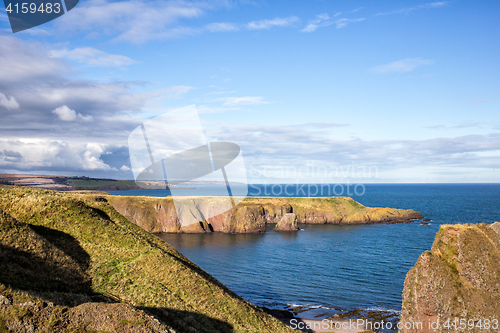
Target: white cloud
column 43, row 154
column 343, row 22
column 297, row 145
column 37, row 32
column 135, row 21
column 221, row 27
column 66, row 114
column 324, row 20
column 57, row 109
column 9, row 103
column 18, row 65
column 34, row 78
column 205, row 109
column 410, row 9
column 435, row 4
column 276, row 22
column 248, row 100
column 140, row 21
column 310, row 27
column 401, row 66
column 93, row 57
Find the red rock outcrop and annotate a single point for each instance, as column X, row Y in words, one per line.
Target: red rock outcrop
column 251, row 215
column 455, row 287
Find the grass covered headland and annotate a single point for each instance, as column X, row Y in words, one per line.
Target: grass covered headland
column 71, row 263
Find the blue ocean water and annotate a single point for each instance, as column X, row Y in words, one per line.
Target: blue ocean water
column 335, row 267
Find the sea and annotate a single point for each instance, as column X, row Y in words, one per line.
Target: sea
column 326, row 269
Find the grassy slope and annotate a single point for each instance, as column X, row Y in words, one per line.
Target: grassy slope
column 107, row 254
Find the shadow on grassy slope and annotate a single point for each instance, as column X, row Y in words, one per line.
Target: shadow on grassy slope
column 187, row 321
column 21, row 311
column 49, row 266
column 41, row 259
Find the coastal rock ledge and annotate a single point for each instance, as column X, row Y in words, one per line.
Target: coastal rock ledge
column 251, row 216
column 456, row 283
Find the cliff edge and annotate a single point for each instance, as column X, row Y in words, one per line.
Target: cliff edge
column 251, row 216
column 455, row 287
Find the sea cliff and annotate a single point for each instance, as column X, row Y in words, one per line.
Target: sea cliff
column 253, row 213
column 455, row 287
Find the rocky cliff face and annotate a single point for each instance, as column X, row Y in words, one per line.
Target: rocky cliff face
column 252, row 215
column 287, row 223
column 458, row 278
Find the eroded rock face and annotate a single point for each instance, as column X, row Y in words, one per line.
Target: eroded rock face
column 287, row 223
column 244, row 219
column 458, row 278
column 252, row 215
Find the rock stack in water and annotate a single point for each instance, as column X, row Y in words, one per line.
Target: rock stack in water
column 287, row 223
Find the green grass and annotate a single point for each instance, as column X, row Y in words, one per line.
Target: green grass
column 129, row 322
column 106, row 254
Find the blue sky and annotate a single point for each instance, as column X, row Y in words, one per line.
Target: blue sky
column 408, row 90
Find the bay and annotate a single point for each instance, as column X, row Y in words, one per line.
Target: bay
column 331, row 267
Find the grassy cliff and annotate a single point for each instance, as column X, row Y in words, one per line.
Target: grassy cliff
column 458, row 278
column 71, row 263
column 156, row 214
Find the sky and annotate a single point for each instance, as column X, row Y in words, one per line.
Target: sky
column 312, row 91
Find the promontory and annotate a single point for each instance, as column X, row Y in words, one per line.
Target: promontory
column 158, row 214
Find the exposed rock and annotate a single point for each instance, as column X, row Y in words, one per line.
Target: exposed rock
column 244, row 219
column 252, row 214
column 287, row 223
column 95, row 317
column 424, row 223
column 100, row 199
column 458, row 278
column 113, row 318
column 280, row 314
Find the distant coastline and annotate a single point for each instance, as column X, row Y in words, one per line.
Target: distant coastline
column 77, row 183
